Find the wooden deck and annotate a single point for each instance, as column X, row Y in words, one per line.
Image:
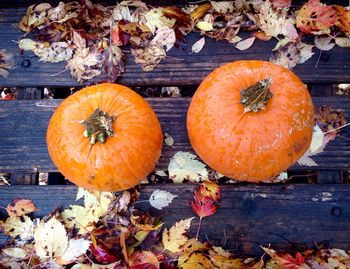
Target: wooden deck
column 289, row 216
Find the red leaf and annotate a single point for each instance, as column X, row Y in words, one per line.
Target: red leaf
column 203, row 206
column 101, row 255
column 143, row 260
column 315, row 17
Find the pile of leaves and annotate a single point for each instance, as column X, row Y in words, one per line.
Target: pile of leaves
column 107, row 231
column 92, row 38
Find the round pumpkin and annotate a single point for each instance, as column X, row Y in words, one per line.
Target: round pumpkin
column 251, row 120
column 104, row 137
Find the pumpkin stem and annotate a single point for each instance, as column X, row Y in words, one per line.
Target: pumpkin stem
column 255, row 97
column 98, row 126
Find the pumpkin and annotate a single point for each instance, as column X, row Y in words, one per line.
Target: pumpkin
column 251, row 120
column 104, row 137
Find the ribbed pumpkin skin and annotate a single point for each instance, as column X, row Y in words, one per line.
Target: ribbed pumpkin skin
column 125, row 159
column 252, row 146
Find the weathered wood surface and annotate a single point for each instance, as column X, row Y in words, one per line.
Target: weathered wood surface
column 23, row 125
column 285, row 216
column 181, row 68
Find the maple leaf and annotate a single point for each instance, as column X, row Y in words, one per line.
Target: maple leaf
column 155, row 19
column 143, row 259
column 50, row 239
column 174, row 238
column 287, row 56
column 203, row 206
column 245, row 44
column 343, row 21
column 160, row 199
column 193, row 245
column 194, row 260
column 315, row 17
column 19, row 227
column 79, row 217
column 165, row 37
column 76, row 248
column 36, row 15
column 198, row 45
column 210, row 189
column 145, row 222
column 6, row 62
column 184, row 166
column 113, row 62
column 324, row 43
column 64, row 12
column 20, row 207
column 225, row 262
column 270, row 20
column 286, row 260
column 305, row 52
column 149, row 57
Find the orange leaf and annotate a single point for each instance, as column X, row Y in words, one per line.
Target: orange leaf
column 343, row 21
column 20, row 207
column 286, row 261
column 210, row 189
column 203, row 206
column 143, row 259
column 262, row 36
column 315, row 17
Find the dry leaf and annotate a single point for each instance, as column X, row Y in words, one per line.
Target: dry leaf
column 262, row 36
column 20, row 207
column 76, row 248
column 289, row 31
column 183, row 166
column 281, row 3
column 113, row 62
column 171, row 91
column 315, row 17
column 198, row 45
column 305, row 52
column 210, row 189
column 199, row 11
column 324, row 43
column 245, row 44
column 149, row 57
column 223, row 7
column 343, row 42
column 206, row 24
column 15, row 252
column 168, row 140
column 287, row 56
column 194, row 260
column 21, row 227
column 143, row 259
column 36, row 16
column 286, row 260
column 155, row 19
column 160, row 199
column 6, row 62
column 203, row 206
column 79, row 217
column 270, row 20
column 174, row 238
column 165, row 37
column 220, row 251
column 227, row 263
column 343, row 20
column 50, row 239
column 64, row 12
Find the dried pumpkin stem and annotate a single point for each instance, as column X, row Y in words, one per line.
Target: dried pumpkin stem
column 98, row 126
column 255, row 97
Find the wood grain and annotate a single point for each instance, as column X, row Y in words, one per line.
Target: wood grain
column 285, row 216
column 24, row 123
column 181, row 68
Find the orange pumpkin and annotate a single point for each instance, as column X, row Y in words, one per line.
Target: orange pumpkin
column 104, row 137
column 251, row 120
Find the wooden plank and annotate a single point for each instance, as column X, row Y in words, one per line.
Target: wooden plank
column 181, row 68
column 287, row 217
column 24, row 123
column 329, row 177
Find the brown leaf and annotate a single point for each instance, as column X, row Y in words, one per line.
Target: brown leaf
column 36, row 16
column 6, row 62
column 20, row 207
column 64, row 12
column 343, row 21
column 287, row 56
column 271, row 21
column 200, row 11
column 149, row 57
column 113, row 62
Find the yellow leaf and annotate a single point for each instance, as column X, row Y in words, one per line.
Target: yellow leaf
column 21, row 207
column 174, row 238
column 50, row 239
column 15, row 252
column 193, row 245
column 227, row 263
column 22, row 227
column 155, row 19
column 194, row 260
column 219, row 251
column 80, row 218
column 205, row 26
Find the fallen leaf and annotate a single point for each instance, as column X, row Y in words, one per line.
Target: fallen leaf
column 113, row 65
column 245, row 44
column 171, row 91
column 174, row 238
column 270, row 20
column 161, row 173
column 343, row 42
column 305, row 52
column 289, row 31
column 203, row 206
column 210, row 189
column 287, row 56
column 315, row 17
column 286, row 260
column 168, row 140
column 262, row 36
column 36, row 15
column 317, row 139
column 324, row 43
column 194, row 260
column 343, row 21
column 155, row 19
column 15, row 252
column 160, row 199
column 149, row 57
column 223, row 7
column 198, row 45
column 193, row 245
column 205, row 26
column 76, row 248
column 199, row 11
column 184, row 166
column 143, row 259
column 64, row 12
column 79, row 217
column 50, row 239
column 281, row 3
column 6, row 62
column 219, row 250
column 21, row 227
column 145, row 223
column 226, row 263
column 20, row 207
column 165, row 37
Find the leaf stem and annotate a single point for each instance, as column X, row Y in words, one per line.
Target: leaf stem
column 318, row 60
column 199, row 227
column 340, row 127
